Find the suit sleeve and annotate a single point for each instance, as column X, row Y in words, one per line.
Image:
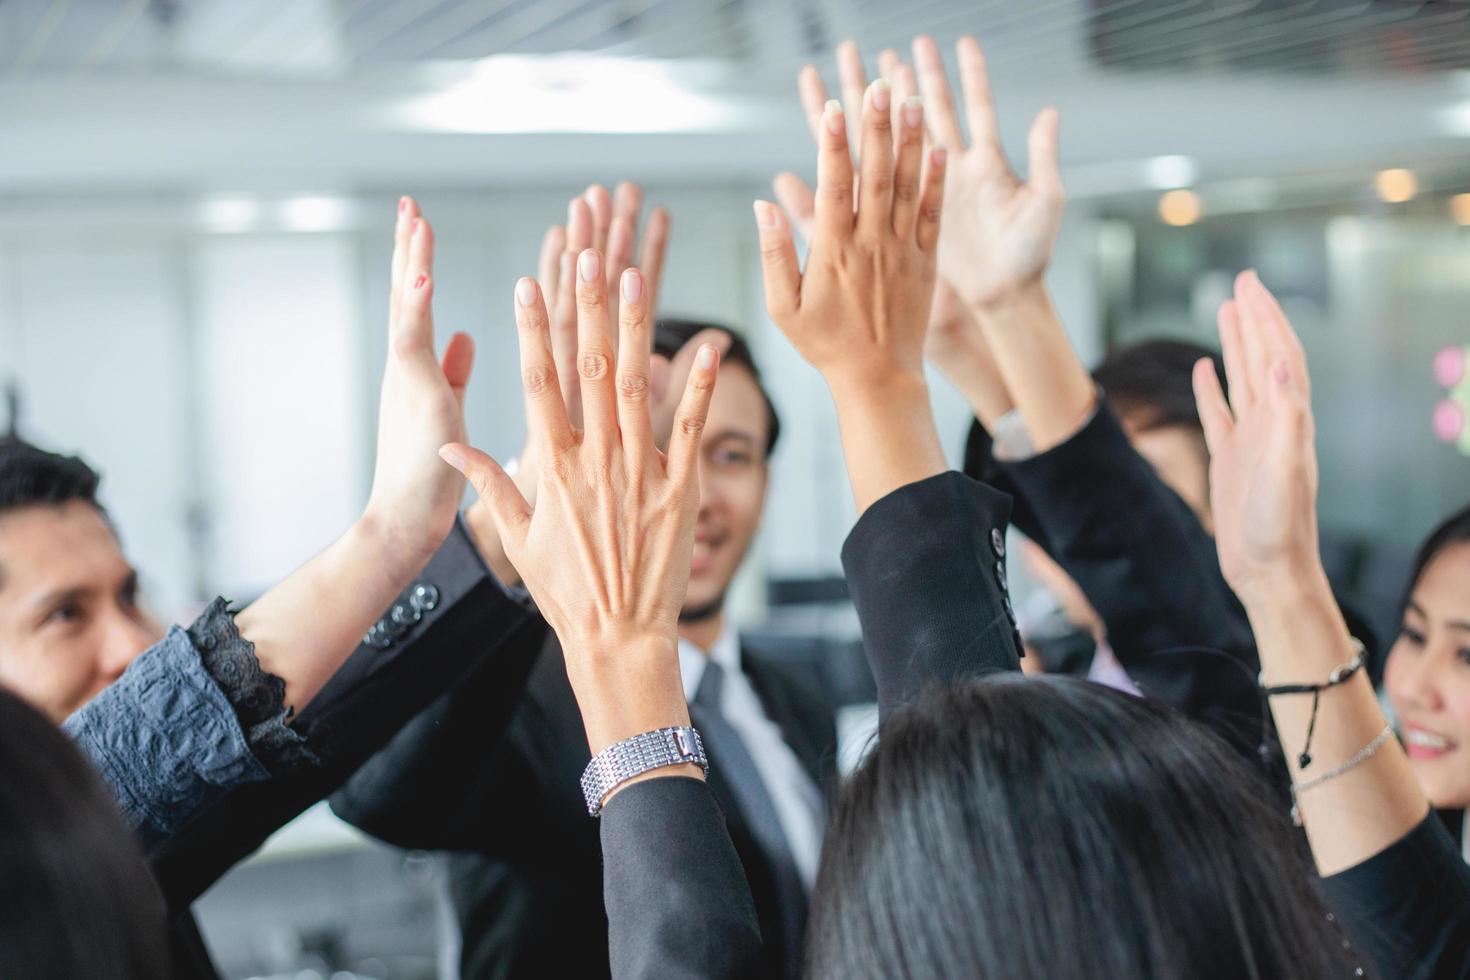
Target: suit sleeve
column 926, row 568
column 1148, row 567
column 462, row 617
column 1408, row 907
column 441, row 781
column 678, row 904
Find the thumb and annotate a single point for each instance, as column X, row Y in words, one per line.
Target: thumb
column 508, row 508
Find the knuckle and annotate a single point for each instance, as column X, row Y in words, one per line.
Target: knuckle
column 839, row 190
column 881, row 181
column 691, row 425
column 633, row 386
column 906, row 191
column 538, row 379
column 593, row 365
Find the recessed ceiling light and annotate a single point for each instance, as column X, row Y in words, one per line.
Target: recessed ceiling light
column 1180, row 208
column 1396, row 186
column 1169, row 172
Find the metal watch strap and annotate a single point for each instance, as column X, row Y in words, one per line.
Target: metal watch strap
column 634, row 756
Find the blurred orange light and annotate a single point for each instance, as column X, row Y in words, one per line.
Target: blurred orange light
column 1397, row 186
column 1180, row 208
column 1460, row 208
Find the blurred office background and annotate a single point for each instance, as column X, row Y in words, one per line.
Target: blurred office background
column 196, row 202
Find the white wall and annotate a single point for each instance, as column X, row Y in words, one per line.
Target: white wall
column 228, row 382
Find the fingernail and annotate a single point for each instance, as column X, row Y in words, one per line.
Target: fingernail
column 913, row 111
column 938, row 156
column 706, row 358
column 452, row 457
column 589, row 265
column 526, row 291
column 765, row 215
column 419, row 282
column 402, row 204
column 836, row 125
column 882, row 95
column 632, row 285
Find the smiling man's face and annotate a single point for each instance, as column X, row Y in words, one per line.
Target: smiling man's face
column 70, row 622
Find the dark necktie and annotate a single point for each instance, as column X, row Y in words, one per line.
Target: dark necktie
column 729, row 755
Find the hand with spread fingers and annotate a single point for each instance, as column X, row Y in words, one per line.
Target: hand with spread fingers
column 858, row 310
column 608, row 223
column 998, row 230
column 605, row 550
column 954, row 343
column 1263, row 463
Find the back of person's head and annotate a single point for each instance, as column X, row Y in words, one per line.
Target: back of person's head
column 1051, row 827
column 672, row 334
column 77, row 901
column 1149, row 384
column 30, row 475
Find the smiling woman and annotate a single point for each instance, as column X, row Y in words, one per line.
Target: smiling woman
column 1428, row 673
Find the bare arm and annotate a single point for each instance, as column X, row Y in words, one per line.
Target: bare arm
column 1263, row 482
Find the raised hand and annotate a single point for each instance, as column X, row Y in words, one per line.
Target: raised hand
column 859, row 309
column 862, row 302
column 605, row 549
column 609, row 224
column 413, row 499
column 955, row 343
column 998, row 230
column 1263, row 464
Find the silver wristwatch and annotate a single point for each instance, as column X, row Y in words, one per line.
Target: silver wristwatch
column 634, row 756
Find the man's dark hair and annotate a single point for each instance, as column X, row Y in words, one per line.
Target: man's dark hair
column 31, row 475
column 1150, row 383
column 78, row 900
column 1053, row 827
column 672, row 334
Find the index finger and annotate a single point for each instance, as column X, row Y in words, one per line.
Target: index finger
column 979, row 103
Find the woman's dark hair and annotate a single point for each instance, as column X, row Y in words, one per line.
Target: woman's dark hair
column 1452, row 530
column 672, row 334
column 1050, row 827
column 78, row 902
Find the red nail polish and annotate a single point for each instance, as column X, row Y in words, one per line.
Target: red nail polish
column 419, row 282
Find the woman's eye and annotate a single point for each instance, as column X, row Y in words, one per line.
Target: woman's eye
column 1412, row 635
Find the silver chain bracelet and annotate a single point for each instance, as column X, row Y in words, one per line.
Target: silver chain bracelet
column 1364, row 754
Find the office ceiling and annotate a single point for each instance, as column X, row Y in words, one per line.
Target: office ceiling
column 103, row 93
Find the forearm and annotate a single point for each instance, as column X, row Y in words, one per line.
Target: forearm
column 1052, row 390
column 305, row 628
column 967, row 363
column 1302, row 637
column 625, row 689
column 889, row 437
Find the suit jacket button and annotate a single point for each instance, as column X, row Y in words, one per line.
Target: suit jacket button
column 1000, row 576
column 424, row 597
column 391, row 626
column 997, row 542
column 377, row 639
column 405, row 614
column 1005, row 602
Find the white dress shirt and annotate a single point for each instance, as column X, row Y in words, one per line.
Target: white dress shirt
column 797, row 799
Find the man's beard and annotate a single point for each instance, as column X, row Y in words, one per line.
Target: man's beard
column 704, row 611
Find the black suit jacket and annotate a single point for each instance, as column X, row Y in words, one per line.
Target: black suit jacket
column 527, row 876
column 1149, row 568
column 473, row 622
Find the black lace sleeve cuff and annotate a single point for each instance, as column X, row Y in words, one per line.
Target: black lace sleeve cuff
column 258, row 697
